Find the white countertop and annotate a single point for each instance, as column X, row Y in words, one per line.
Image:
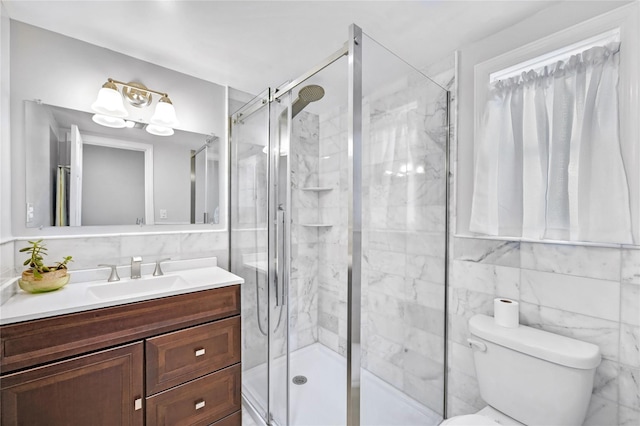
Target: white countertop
column 79, row 295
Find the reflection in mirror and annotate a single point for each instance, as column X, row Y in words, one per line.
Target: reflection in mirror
column 95, row 175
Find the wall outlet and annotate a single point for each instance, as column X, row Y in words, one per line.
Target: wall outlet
column 163, row 213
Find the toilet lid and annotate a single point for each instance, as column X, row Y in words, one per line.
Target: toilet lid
column 469, row 420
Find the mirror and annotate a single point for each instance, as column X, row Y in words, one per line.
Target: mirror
column 96, row 175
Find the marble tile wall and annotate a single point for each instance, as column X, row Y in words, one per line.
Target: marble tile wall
column 249, row 260
column 332, row 240
column 303, row 285
column 249, row 198
column 403, row 238
column 7, row 262
column 404, row 241
column 250, row 244
column 249, row 255
column 583, row 292
column 88, row 252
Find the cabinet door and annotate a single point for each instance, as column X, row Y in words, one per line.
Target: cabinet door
column 96, row 389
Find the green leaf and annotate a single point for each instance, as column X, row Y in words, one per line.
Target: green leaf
column 26, row 262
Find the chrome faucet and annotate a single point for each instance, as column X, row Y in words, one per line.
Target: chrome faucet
column 136, row 263
column 158, row 271
column 113, row 276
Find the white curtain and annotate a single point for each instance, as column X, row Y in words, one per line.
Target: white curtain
column 548, row 163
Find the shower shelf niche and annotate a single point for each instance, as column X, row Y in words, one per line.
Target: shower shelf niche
column 317, row 188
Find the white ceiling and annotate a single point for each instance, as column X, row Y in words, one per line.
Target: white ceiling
column 250, row 45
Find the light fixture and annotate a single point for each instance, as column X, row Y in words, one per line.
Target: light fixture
column 165, row 114
column 111, row 110
column 109, row 101
column 108, row 121
column 137, row 94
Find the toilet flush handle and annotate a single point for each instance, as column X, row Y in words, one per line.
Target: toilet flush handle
column 477, row 344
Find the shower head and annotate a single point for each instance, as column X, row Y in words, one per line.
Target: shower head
column 306, row 95
column 311, row 93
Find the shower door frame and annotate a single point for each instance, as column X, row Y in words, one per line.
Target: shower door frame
column 353, row 50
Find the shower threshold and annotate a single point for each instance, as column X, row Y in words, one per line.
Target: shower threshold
column 321, row 401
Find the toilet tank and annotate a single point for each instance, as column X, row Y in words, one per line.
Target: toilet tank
column 533, row 376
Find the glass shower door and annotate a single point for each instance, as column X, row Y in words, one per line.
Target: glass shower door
column 279, row 246
column 252, row 257
column 404, row 254
column 309, row 123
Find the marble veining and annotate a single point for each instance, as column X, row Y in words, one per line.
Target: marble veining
column 7, row 266
column 603, row 333
column 630, row 345
column 598, row 298
column 630, row 266
column 605, row 383
column 628, row 416
column 630, row 304
column 601, row 412
column 583, row 261
column 630, row 387
column 501, row 253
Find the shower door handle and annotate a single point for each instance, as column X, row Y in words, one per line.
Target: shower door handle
column 282, row 258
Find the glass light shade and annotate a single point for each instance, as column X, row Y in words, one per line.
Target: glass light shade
column 165, row 114
column 109, row 102
column 159, row 130
column 108, row 121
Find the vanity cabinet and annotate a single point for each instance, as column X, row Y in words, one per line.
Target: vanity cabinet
column 168, row 361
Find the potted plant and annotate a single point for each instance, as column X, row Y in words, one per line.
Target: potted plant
column 40, row 278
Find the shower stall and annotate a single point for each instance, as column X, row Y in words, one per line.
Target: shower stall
column 338, row 224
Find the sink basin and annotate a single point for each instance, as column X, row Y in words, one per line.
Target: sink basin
column 128, row 288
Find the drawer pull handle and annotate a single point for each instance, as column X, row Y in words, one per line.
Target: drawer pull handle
column 200, row 404
column 200, row 352
column 137, row 404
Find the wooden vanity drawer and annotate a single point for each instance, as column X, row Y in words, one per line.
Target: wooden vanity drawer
column 200, row 402
column 234, row 419
column 175, row 358
column 35, row 342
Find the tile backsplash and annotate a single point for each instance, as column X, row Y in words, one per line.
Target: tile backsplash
column 7, row 267
column 88, row 252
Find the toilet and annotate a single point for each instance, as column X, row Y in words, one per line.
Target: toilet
column 529, row 376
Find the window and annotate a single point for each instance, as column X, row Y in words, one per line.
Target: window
column 554, row 145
